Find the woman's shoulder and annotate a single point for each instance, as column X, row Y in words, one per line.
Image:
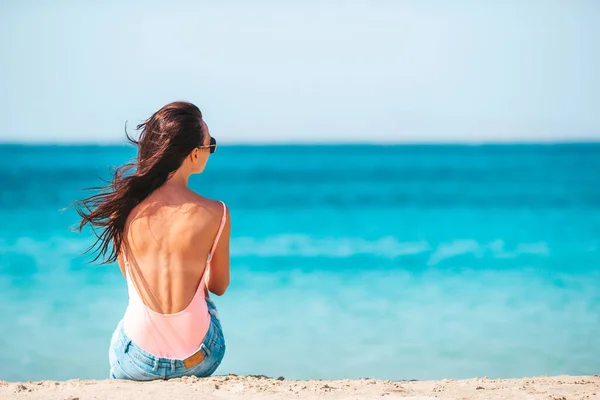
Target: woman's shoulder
column 205, row 205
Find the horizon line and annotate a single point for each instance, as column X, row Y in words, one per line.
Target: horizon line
column 548, row 142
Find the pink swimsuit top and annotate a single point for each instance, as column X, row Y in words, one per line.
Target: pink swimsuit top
column 175, row 336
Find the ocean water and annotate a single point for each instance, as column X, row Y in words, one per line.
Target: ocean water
column 392, row 262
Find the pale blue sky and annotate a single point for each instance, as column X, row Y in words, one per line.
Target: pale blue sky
column 270, row 71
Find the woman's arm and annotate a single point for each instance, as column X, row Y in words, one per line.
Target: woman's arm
column 217, row 279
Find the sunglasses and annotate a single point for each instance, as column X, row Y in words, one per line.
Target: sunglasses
column 212, row 146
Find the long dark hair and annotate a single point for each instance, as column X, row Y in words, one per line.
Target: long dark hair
column 166, row 139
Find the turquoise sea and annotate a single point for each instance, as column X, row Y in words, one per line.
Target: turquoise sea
column 392, row 262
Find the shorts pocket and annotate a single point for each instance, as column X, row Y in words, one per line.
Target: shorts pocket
column 117, row 372
column 132, row 368
column 124, row 366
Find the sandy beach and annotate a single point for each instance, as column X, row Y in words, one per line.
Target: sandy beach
column 258, row 387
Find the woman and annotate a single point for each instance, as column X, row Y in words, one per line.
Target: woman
column 172, row 246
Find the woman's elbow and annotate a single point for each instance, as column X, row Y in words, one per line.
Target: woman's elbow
column 220, row 289
column 218, row 292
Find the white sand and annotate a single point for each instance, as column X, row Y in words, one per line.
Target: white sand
column 243, row 387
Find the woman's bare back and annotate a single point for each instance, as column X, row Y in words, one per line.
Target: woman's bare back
column 167, row 239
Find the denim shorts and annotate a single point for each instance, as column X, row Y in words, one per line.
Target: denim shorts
column 129, row 361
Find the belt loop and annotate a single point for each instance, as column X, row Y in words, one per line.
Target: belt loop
column 155, row 365
column 127, row 344
column 173, row 366
column 205, row 350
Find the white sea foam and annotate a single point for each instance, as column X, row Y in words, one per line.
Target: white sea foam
column 292, row 245
column 307, row 246
column 386, row 247
column 455, row 248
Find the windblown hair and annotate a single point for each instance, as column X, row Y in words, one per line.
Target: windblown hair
column 166, row 139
